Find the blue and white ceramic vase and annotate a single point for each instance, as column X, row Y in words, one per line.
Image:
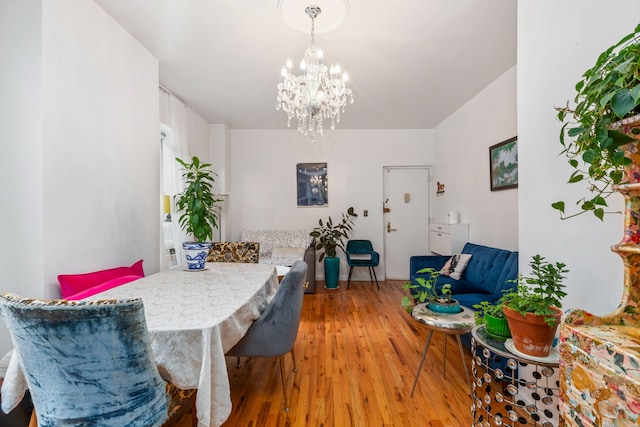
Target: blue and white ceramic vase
column 196, row 254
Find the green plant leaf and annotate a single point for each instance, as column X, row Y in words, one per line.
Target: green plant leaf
column 599, row 212
column 622, row 103
column 559, row 206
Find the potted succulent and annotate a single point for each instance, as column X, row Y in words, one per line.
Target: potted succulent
column 492, row 316
column 328, row 237
column 198, row 218
column 599, row 150
column 533, row 308
column 424, row 289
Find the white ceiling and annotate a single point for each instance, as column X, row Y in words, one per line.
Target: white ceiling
column 411, row 63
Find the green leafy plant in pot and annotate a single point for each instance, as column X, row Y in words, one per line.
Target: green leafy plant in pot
column 328, row 237
column 196, row 204
column 492, row 316
column 533, row 308
column 597, row 149
column 424, row 290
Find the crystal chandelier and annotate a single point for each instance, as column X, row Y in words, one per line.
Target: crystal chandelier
column 318, row 93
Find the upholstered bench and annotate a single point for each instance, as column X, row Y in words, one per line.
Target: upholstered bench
column 284, row 247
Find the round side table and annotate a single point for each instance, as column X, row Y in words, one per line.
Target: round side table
column 450, row 324
column 511, row 389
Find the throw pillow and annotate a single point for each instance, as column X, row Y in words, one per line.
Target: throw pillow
column 71, row 284
column 456, row 265
column 103, row 287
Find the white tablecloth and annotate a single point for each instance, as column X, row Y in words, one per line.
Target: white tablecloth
column 194, row 318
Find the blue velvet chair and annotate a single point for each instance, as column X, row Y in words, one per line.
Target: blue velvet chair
column 360, row 253
column 274, row 332
column 89, row 363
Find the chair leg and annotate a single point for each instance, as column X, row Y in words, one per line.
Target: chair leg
column 376, row 277
column 194, row 412
column 293, row 357
column 284, row 384
column 349, row 278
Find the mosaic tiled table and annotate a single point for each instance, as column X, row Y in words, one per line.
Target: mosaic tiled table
column 512, row 389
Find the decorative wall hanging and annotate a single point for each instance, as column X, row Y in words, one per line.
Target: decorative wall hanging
column 312, row 184
column 503, row 161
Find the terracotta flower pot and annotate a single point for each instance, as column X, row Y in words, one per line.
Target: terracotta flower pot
column 530, row 333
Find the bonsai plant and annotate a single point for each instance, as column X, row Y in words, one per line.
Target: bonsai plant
column 608, row 92
column 197, row 202
column 424, row 289
column 533, row 308
column 328, row 237
column 492, row 316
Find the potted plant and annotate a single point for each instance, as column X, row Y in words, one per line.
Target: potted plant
column 198, row 218
column 607, row 93
column 492, row 316
column 328, row 237
column 533, row 308
column 424, row 289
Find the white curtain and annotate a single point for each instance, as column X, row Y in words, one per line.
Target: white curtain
column 174, row 144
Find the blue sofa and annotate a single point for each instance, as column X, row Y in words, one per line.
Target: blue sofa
column 488, row 273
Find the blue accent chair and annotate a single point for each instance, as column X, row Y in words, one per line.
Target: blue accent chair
column 274, row 332
column 88, row 363
column 360, row 253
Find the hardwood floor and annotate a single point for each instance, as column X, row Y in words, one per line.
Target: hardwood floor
column 357, row 353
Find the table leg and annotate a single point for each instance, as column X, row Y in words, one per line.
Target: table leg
column 424, row 354
column 464, row 364
column 444, row 361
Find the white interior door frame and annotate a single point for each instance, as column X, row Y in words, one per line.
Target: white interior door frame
column 407, row 212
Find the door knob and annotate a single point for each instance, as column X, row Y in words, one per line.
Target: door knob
column 389, row 229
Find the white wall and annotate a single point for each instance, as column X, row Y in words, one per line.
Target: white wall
column 557, row 42
column 21, row 174
column 83, row 125
column 263, row 178
column 462, row 153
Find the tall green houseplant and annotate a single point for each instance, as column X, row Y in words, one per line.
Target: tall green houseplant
column 328, row 237
column 197, row 206
column 608, row 92
column 197, row 201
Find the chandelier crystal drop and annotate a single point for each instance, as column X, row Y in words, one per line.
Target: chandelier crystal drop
column 318, row 93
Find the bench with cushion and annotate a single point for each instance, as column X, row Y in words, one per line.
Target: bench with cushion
column 284, row 247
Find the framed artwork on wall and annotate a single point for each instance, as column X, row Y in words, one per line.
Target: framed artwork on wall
column 503, row 162
column 312, row 184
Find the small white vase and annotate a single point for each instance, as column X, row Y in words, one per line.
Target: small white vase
column 196, row 254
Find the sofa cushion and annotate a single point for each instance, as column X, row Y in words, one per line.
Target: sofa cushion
column 71, row 284
column 485, row 266
column 297, row 253
column 270, row 239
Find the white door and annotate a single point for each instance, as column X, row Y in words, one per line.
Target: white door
column 406, row 218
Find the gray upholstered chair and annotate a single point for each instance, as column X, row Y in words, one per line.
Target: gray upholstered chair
column 234, row 252
column 274, row 332
column 89, row 363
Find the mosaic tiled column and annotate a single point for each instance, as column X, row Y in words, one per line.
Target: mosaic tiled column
column 600, row 359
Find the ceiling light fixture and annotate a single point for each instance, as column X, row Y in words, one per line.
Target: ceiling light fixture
column 318, row 93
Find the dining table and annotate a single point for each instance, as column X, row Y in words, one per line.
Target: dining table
column 194, row 318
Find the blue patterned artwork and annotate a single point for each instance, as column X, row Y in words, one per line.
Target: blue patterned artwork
column 312, row 184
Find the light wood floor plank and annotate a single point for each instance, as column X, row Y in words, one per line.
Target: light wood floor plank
column 357, row 354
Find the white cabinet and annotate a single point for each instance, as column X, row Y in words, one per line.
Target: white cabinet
column 448, row 239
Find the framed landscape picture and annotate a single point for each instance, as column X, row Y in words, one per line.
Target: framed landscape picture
column 503, row 158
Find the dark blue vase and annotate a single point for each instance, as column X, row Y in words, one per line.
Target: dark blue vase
column 331, row 272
